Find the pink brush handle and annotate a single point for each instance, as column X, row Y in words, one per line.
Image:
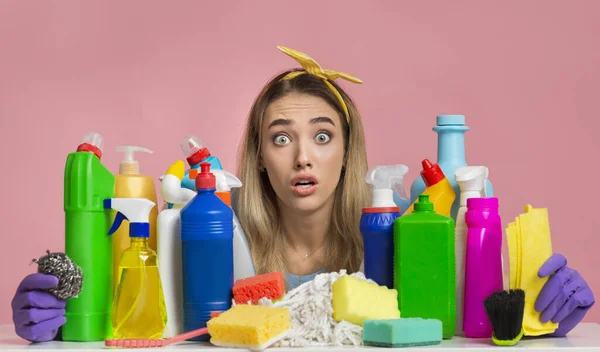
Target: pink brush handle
column 143, row 343
column 186, row 336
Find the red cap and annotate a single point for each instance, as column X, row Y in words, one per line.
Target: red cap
column 198, row 156
column 205, row 178
column 432, row 173
column 86, row 147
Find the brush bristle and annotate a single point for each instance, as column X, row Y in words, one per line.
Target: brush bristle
column 134, row 343
column 505, row 311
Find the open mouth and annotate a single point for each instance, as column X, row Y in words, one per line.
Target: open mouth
column 304, row 184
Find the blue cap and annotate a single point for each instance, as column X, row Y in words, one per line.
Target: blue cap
column 450, row 120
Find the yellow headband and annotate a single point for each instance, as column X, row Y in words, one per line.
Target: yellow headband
column 312, row 67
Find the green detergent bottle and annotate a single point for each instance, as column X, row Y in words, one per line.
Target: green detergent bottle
column 424, row 265
column 87, row 183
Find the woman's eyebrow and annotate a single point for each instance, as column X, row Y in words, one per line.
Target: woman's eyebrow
column 322, row 119
column 281, row 122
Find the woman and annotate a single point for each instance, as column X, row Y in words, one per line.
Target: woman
column 303, row 163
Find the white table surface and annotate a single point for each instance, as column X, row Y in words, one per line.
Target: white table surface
column 586, row 336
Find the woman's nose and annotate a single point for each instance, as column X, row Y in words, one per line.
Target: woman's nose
column 303, row 160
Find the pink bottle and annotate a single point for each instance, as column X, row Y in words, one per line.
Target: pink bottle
column 483, row 271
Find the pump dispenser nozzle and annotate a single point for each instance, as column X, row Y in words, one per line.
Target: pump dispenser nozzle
column 130, row 166
column 384, row 178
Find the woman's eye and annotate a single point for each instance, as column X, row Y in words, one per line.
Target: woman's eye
column 323, row 137
column 281, row 139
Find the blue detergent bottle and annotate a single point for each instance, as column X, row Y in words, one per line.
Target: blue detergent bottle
column 207, row 254
column 196, row 153
column 450, row 156
column 377, row 223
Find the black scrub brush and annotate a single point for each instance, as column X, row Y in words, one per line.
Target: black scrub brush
column 70, row 277
column 505, row 311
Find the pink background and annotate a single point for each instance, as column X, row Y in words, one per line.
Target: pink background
column 524, row 74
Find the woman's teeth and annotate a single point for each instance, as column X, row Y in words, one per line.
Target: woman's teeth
column 304, row 184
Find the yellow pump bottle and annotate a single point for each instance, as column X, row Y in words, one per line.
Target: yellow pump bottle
column 439, row 189
column 129, row 183
column 139, row 310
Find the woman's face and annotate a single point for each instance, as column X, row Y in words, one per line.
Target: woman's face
column 302, row 151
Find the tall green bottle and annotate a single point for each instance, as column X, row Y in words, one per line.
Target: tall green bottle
column 424, row 265
column 86, row 184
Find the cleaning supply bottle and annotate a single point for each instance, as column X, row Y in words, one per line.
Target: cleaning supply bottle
column 451, row 131
column 196, row 153
column 207, row 253
column 483, row 271
column 243, row 265
column 424, row 266
column 471, row 181
column 138, row 310
column 169, row 245
column 438, row 188
column 86, row 184
column 130, row 184
column 377, row 223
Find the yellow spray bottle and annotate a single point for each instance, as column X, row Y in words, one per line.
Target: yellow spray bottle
column 439, row 189
column 129, row 183
column 138, row 310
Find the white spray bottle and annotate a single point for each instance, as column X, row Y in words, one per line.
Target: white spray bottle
column 169, row 245
column 471, row 181
column 243, row 266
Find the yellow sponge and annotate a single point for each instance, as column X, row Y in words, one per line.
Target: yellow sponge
column 355, row 300
column 249, row 326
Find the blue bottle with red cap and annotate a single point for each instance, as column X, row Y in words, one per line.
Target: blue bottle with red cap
column 377, row 223
column 207, row 254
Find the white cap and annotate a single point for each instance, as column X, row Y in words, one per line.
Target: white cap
column 130, row 166
column 226, row 180
column 471, row 181
column 384, row 178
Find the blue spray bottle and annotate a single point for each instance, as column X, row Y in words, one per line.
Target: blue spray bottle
column 207, row 254
column 196, row 153
column 377, row 223
column 450, row 156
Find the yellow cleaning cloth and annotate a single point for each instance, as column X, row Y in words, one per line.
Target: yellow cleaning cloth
column 529, row 246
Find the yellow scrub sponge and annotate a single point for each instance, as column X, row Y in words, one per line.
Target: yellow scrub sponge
column 355, row 300
column 249, row 326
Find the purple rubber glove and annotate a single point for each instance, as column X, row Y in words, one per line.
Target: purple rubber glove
column 565, row 298
column 37, row 315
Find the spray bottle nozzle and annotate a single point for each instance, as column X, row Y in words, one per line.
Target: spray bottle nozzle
column 471, row 181
column 129, row 165
column 136, row 210
column 387, row 177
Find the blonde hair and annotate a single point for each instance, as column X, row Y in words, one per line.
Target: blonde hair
column 256, row 202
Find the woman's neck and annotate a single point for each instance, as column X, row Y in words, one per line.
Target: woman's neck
column 306, row 235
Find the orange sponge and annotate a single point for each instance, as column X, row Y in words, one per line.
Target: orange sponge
column 254, row 288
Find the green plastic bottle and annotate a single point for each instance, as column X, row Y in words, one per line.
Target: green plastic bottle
column 424, row 265
column 87, row 183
